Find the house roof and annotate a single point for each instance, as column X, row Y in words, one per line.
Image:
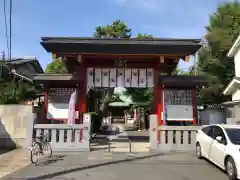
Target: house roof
column 23, row 61
column 89, row 45
column 232, row 86
column 25, row 68
column 234, row 48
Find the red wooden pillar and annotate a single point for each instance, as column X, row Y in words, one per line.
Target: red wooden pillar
column 194, row 105
column 45, row 105
column 81, row 106
column 158, row 107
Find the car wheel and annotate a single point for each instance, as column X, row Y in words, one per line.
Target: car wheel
column 231, row 169
column 198, row 151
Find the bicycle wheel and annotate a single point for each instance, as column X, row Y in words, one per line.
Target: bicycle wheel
column 47, row 150
column 35, row 152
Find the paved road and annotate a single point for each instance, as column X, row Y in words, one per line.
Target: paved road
column 12, row 161
column 108, row 166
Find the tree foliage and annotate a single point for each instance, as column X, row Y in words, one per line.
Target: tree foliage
column 222, row 31
column 144, row 36
column 16, row 92
column 13, row 90
column 118, row 29
column 56, row 66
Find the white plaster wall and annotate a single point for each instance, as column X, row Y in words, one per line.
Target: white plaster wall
column 237, row 63
column 236, row 95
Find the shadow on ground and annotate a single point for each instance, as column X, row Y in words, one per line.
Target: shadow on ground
column 3, row 151
column 6, row 141
column 59, row 173
column 211, row 163
column 52, row 160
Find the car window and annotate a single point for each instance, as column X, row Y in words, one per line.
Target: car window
column 217, row 131
column 233, row 135
column 207, row 130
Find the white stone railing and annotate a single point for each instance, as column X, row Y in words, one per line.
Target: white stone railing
column 177, row 138
column 64, row 137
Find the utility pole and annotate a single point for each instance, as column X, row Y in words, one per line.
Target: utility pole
column 10, row 33
column 2, row 64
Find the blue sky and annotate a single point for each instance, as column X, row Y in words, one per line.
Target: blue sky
column 33, row 19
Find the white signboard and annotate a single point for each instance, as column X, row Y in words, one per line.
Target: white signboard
column 57, row 110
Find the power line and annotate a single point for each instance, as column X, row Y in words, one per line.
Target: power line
column 10, row 33
column 6, row 26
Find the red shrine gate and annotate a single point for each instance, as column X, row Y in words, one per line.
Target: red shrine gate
column 109, row 63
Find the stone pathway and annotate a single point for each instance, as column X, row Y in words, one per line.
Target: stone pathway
column 13, row 160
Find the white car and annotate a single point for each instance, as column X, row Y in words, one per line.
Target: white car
column 221, row 145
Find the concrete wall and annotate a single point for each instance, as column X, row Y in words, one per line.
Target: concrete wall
column 212, row 116
column 14, row 123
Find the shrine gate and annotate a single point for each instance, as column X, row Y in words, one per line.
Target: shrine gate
column 111, row 63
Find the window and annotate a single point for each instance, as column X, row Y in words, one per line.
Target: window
column 217, row 131
column 60, row 95
column 234, row 135
column 207, row 130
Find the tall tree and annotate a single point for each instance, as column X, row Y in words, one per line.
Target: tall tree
column 118, row 29
column 222, row 31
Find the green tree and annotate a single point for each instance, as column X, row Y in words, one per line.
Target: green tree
column 222, row 31
column 13, row 90
column 118, row 29
column 144, row 36
column 56, row 66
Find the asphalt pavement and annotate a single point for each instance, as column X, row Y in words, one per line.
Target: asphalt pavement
column 118, row 166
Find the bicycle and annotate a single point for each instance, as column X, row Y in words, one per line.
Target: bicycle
column 40, row 146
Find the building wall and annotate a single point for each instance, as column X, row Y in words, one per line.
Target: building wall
column 212, row 116
column 237, row 63
column 236, row 94
column 14, row 123
column 233, row 114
